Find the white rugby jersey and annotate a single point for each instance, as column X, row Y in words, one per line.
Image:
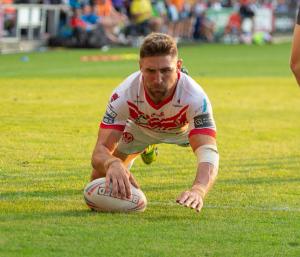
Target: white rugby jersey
column 187, row 112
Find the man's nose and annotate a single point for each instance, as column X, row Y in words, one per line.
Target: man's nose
column 158, row 77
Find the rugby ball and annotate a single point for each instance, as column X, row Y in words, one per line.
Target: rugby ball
column 97, row 199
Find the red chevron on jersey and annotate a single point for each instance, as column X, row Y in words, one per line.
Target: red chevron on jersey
column 154, row 121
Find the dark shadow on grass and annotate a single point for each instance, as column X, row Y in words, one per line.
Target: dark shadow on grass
column 152, row 214
column 51, row 214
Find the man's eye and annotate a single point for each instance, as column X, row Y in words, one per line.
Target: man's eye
column 164, row 71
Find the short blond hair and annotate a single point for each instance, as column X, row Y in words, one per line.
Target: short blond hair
column 158, row 44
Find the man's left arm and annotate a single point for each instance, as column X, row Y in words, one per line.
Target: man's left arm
column 295, row 54
column 205, row 149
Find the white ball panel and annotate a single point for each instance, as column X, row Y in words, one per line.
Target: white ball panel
column 96, row 198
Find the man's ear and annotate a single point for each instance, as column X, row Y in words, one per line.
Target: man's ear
column 140, row 64
column 179, row 64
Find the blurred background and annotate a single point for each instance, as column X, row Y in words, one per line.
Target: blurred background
column 27, row 25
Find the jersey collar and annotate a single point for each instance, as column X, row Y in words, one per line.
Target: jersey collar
column 165, row 101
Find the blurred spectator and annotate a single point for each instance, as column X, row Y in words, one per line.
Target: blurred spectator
column 227, row 3
column 89, row 16
column 112, row 21
column 281, row 6
column 232, row 31
column 215, row 5
column 199, row 7
column 9, row 19
column 91, row 30
column 160, row 10
column 1, row 21
column 204, row 28
column 142, row 20
column 119, row 6
column 75, row 4
column 245, row 10
column 104, row 8
column 186, row 17
column 180, row 18
column 179, row 4
column 173, row 19
column 79, row 27
column 247, row 21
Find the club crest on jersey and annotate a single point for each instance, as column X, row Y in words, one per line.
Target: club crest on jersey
column 141, row 119
column 158, row 115
column 127, row 137
column 114, row 97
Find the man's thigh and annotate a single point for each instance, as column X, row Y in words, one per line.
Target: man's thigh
column 134, row 140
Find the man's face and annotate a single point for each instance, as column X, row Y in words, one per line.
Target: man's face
column 160, row 75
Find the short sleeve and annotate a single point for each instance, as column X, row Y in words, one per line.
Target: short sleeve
column 200, row 117
column 116, row 112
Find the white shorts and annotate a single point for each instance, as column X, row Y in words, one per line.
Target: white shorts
column 135, row 140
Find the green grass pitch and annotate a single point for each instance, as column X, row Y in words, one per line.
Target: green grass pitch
column 50, row 107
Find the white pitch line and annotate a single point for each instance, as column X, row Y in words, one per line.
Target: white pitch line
column 255, row 208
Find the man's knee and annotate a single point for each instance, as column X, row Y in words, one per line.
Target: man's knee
column 126, row 158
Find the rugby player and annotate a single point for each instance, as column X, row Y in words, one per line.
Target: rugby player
column 157, row 104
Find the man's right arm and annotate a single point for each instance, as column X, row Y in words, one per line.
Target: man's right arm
column 106, row 165
column 106, row 144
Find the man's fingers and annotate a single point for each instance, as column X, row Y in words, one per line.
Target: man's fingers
column 122, row 188
column 115, row 187
column 107, row 183
column 127, row 188
column 189, row 200
column 184, row 196
column 194, row 204
column 199, row 206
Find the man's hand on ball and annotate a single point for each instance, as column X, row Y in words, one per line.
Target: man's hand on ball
column 120, row 178
column 192, row 199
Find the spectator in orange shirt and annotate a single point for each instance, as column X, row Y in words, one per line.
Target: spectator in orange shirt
column 112, row 21
column 105, row 8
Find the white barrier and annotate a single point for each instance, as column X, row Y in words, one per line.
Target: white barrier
column 31, row 21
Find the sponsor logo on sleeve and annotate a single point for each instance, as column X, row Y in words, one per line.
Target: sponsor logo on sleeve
column 110, row 115
column 203, row 121
column 108, row 120
column 110, row 111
